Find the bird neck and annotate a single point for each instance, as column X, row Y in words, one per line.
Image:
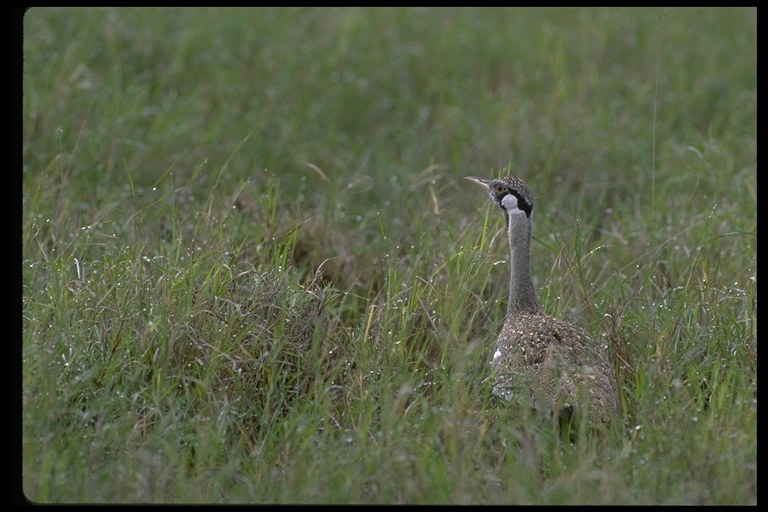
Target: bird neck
column 522, row 295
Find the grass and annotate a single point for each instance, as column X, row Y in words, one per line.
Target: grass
column 252, row 272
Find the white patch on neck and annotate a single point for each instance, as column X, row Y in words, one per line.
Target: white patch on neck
column 509, row 202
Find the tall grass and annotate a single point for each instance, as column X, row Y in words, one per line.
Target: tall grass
column 252, row 272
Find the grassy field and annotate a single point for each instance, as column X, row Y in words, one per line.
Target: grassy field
column 252, row 271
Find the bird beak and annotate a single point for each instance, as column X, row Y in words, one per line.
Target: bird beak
column 478, row 181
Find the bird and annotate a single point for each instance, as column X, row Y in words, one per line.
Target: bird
column 552, row 365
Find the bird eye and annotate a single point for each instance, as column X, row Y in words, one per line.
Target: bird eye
column 499, row 188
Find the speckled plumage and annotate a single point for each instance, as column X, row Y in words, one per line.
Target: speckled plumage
column 551, row 364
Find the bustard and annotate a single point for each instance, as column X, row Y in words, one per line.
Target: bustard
column 551, row 364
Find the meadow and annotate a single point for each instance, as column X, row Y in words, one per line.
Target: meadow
column 252, row 271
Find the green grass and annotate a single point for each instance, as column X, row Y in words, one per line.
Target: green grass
column 252, row 272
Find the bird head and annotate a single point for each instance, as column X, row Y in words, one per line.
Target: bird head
column 510, row 193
